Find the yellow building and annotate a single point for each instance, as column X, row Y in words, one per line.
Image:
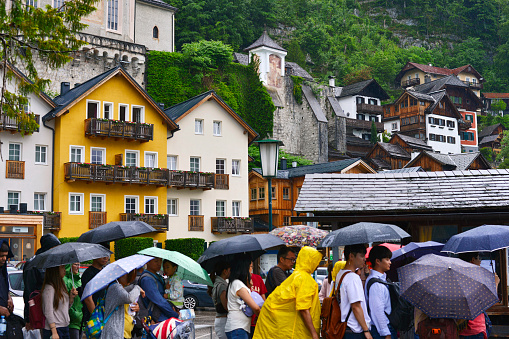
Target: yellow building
column 110, row 140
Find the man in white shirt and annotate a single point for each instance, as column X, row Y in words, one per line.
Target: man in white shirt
column 353, row 304
column 377, row 294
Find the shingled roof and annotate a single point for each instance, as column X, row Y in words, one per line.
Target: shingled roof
column 266, row 41
column 439, row 84
column 241, row 58
column 395, row 150
column 406, row 192
column 415, row 143
column 293, row 68
column 496, row 95
column 488, row 139
column 459, row 162
column 488, row 130
column 313, row 103
column 360, row 88
column 437, row 70
column 406, row 170
column 160, row 3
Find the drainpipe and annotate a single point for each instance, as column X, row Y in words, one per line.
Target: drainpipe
column 52, row 162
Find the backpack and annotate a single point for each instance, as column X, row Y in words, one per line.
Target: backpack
column 332, row 326
column 402, row 312
column 437, row 329
column 37, row 318
column 95, row 324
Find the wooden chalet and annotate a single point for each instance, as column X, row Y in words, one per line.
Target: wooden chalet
column 490, row 98
column 433, row 162
column 491, row 136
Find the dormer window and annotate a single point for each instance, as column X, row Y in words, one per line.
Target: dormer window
column 155, row 32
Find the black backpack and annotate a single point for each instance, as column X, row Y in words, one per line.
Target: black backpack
column 402, row 312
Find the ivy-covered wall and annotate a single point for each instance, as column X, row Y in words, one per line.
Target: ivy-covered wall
column 172, row 78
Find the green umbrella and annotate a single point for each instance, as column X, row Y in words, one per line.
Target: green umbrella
column 188, row 268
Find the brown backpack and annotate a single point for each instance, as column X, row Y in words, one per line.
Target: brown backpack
column 332, row 326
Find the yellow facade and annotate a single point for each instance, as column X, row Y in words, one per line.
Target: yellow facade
column 70, row 132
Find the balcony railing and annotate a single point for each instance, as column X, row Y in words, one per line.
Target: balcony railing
column 12, row 124
column 158, row 221
column 195, row 223
column 368, row 108
column 222, row 181
column 52, row 220
column 95, row 127
column 232, row 225
column 199, row 180
column 411, row 82
column 473, row 85
column 96, row 219
column 15, row 169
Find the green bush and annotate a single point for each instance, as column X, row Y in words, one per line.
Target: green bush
column 130, row 246
column 192, row 247
column 68, row 239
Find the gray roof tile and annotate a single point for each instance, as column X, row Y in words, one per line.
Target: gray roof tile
column 313, row 103
column 488, row 130
column 294, row 69
column 264, row 40
column 326, row 167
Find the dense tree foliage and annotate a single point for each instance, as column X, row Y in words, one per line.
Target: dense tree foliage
column 254, row 152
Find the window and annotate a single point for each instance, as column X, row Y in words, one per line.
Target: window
column 261, row 193
column 286, row 221
column 172, row 207
column 131, row 204
column 150, row 159
column 194, row 207
column 113, row 15
column 171, row 162
column 40, row 154
column 366, row 136
column 76, row 203
column 394, row 126
column 151, row 205
column 417, row 75
column 372, row 101
column 409, row 77
column 456, row 100
column 441, row 122
column 469, row 117
column 138, row 115
column 422, row 103
column 77, row 154
column 97, row 155
column 253, row 193
column 131, row 158
column 15, row 152
column 360, row 100
column 108, row 110
column 451, row 140
column 39, row 199
column 217, row 128
column 97, row 202
column 220, row 166
column 235, row 208
column 194, row 164
column 32, row 3
column 236, row 167
column 123, row 110
column 373, row 118
column 13, row 199
column 220, row 208
column 286, row 193
column 474, row 80
column 155, row 32
column 361, row 117
column 58, row 3
column 450, row 124
column 467, row 79
column 432, row 137
column 198, row 126
column 413, row 102
column 273, row 190
column 92, row 109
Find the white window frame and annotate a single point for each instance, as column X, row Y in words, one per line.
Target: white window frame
column 82, row 152
column 20, row 151
column 39, row 201
column 137, row 205
column 155, row 204
column 168, row 165
column 199, row 164
column 126, row 111
column 54, row 3
column 219, row 131
column 137, row 156
column 103, row 160
column 168, row 210
column 145, row 159
column 236, row 173
column 236, row 208
column 218, row 203
column 199, row 206
column 82, row 203
column 99, row 116
column 224, row 165
column 142, row 112
column 111, row 105
column 19, row 198
column 45, row 162
column 119, row 17
column 31, row 3
column 103, row 201
column 199, row 132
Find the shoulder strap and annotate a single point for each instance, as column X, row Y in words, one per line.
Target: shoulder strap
column 109, row 315
column 368, row 287
column 337, row 291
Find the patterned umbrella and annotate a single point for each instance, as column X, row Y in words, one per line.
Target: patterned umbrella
column 444, row 287
column 300, row 235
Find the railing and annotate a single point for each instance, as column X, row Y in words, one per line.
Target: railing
column 158, row 221
column 52, row 220
column 222, row 181
column 370, row 108
column 12, row 124
column 474, row 85
column 15, row 169
column 195, row 223
column 411, row 82
column 95, row 127
column 96, row 219
column 232, row 225
column 364, row 124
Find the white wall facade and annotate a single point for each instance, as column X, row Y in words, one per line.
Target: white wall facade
column 263, row 53
column 392, row 126
column 349, row 106
column 231, row 145
column 148, row 17
column 445, row 147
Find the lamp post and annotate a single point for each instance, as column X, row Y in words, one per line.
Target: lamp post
column 269, row 154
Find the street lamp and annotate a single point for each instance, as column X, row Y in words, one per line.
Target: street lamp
column 269, row 156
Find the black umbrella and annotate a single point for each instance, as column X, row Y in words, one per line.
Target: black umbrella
column 225, row 249
column 363, row 233
column 70, row 253
column 116, row 230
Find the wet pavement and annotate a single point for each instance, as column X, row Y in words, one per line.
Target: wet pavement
column 205, row 316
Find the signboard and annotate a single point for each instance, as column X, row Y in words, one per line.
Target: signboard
column 267, row 261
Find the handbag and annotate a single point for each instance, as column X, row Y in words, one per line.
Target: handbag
column 332, row 326
column 37, row 318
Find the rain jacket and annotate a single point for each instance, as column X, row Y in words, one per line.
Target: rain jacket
column 4, row 282
column 76, row 310
column 280, row 313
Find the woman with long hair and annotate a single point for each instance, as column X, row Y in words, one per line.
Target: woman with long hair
column 56, row 302
column 218, row 294
column 238, row 324
column 327, row 284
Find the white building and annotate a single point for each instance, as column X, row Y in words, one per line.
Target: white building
column 442, row 132
column 212, row 143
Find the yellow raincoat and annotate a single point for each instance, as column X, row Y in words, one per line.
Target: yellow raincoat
column 280, row 317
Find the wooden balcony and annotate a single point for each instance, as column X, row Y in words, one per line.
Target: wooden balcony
column 410, row 82
column 196, row 223
column 96, row 219
column 474, row 85
column 158, row 221
column 15, row 169
column 222, row 181
column 367, row 108
column 231, row 225
column 106, row 128
column 12, row 124
column 52, row 221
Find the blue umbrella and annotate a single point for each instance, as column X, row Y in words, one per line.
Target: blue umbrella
column 445, row 287
column 114, row 271
column 485, row 238
column 417, row 250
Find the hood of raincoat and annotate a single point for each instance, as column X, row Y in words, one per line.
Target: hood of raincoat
column 48, row 241
column 308, row 260
column 77, row 278
column 338, row 266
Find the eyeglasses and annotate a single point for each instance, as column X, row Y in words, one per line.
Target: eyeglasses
column 291, row 259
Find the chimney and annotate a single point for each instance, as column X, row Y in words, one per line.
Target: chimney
column 64, row 87
column 332, row 81
column 294, row 164
column 283, row 164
